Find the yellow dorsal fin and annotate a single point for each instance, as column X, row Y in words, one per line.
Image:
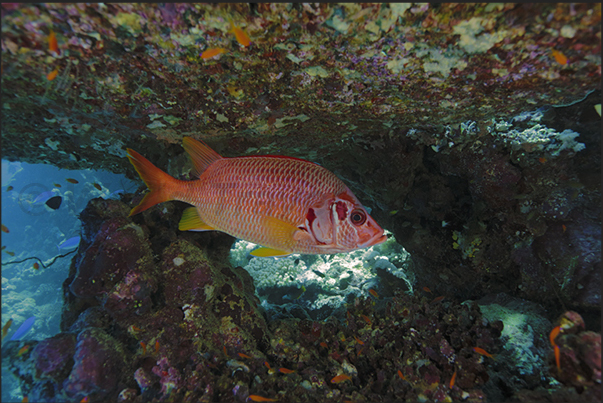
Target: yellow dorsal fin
column 200, row 154
column 191, row 221
column 268, row 252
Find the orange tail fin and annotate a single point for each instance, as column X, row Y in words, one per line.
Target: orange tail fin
column 159, row 183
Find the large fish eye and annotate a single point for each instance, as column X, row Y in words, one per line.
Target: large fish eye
column 358, row 216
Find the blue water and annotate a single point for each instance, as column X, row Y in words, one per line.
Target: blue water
column 35, row 230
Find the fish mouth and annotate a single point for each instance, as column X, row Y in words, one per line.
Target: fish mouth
column 375, row 240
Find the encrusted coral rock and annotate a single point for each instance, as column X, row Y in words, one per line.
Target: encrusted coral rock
column 53, row 357
column 99, row 361
column 579, row 357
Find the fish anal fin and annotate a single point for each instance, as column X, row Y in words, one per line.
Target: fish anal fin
column 200, row 154
column 191, row 221
column 269, row 252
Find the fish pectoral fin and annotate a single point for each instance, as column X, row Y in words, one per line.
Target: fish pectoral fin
column 269, row 252
column 191, row 221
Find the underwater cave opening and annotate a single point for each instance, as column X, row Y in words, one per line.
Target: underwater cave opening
column 318, row 286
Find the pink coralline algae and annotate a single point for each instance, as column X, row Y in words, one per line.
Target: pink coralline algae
column 99, row 362
column 579, row 357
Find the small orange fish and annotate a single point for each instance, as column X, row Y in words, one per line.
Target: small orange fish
column 426, row 289
column 438, row 299
column 323, row 344
column 373, row 293
column 286, row 370
column 563, row 227
column 244, row 355
column 144, row 347
column 225, row 352
column 360, row 351
column 5, row 328
column 25, row 399
column 482, row 352
column 341, row 378
column 241, row 36
column 213, row 52
column 85, row 399
column 557, row 358
column 53, row 45
column 367, row 319
column 258, row 398
column 401, row 375
column 5, row 229
column 267, row 365
column 359, row 341
column 52, row 75
column 542, row 160
column 8, row 189
column 57, row 185
column 23, row 350
column 134, row 329
column 554, row 333
column 36, row 266
column 157, row 347
column 559, row 57
column 452, row 379
column 96, row 185
column 71, row 180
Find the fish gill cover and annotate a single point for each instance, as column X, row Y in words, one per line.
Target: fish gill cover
column 471, row 130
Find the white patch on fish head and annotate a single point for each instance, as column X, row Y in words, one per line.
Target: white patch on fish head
column 353, row 226
column 342, row 224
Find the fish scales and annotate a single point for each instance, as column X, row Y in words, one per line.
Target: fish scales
column 236, row 194
column 285, row 204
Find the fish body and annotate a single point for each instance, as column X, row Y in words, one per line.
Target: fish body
column 481, row 351
column 288, row 205
column 6, row 327
column 213, row 52
column 52, row 75
column 24, row 328
column 258, row 398
column 559, row 57
column 53, row 44
column 553, row 335
column 241, row 36
column 69, row 243
column 341, row 378
column 452, row 379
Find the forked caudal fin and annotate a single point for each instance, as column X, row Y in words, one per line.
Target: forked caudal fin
column 159, row 183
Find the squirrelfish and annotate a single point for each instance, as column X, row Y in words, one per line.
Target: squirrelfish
column 288, row 205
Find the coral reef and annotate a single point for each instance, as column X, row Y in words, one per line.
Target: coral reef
column 184, row 326
column 316, row 287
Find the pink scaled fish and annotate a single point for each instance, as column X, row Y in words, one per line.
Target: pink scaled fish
column 285, row 204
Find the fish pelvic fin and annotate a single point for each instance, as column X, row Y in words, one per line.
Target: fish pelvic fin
column 191, row 221
column 200, row 154
column 159, row 183
column 284, row 233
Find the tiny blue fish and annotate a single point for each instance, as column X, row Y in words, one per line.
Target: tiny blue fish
column 24, row 328
column 114, row 195
column 69, row 243
column 42, row 197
